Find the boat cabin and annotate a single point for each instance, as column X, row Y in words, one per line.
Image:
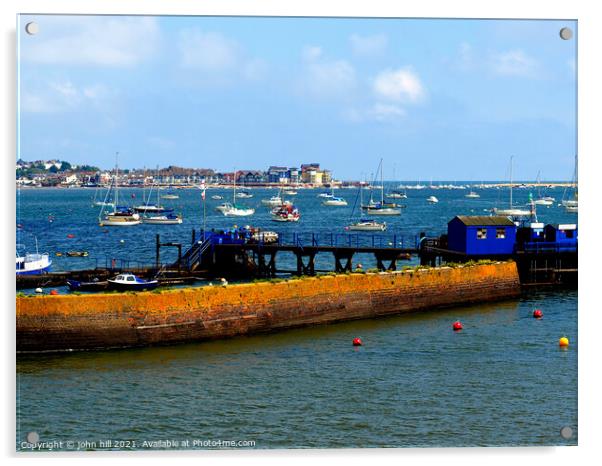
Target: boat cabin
column 481, row 235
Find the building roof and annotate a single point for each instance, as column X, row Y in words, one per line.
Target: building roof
column 484, row 220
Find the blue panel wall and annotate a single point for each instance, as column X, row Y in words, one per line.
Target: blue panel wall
column 491, row 244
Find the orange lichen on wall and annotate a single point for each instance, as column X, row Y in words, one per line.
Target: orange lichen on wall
column 125, row 319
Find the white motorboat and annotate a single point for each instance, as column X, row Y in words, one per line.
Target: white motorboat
column 130, row 282
column 544, row 202
column 432, row 200
column 272, row 201
column 243, row 195
column 472, row 195
column 216, row 197
column 367, row 225
column 286, row 213
column 237, row 211
column 32, row 264
column 167, row 219
column 335, row 201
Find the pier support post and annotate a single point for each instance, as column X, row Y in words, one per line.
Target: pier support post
column 158, row 252
column 343, row 255
column 308, row 269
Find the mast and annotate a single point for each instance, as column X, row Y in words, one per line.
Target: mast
column 116, row 183
column 511, row 158
column 382, row 186
column 234, row 193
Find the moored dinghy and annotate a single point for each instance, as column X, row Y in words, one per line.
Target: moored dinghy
column 130, row 282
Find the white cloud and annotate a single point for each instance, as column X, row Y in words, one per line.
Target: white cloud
column 208, row 51
column 326, row 78
column 386, row 112
column 368, row 45
column 311, row 52
column 330, row 78
column 514, row 63
column 378, row 112
column 220, row 59
column 400, row 85
column 64, row 96
column 92, row 40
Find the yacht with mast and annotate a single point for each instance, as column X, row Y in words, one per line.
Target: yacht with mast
column 364, row 224
column 511, row 211
column 572, row 205
column 381, row 208
column 121, row 215
column 234, row 210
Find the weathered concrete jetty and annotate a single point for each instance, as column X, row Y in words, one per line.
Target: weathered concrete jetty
column 116, row 320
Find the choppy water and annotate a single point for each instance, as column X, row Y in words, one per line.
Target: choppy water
column 72, row 213
column 502, row 380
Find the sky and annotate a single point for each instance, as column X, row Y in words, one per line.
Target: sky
column 435, row 99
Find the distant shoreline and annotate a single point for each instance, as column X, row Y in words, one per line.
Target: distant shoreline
column 342, row 185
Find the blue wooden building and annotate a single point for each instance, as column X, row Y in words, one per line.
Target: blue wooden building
column 481, row 235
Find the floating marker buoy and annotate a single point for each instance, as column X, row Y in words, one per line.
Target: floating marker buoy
column 54, row 292
column 564, row 341
column 70, row 235
column 122, row 241
column 537, row 314
column 357, row 342
column 457, row 325
column 39, row 290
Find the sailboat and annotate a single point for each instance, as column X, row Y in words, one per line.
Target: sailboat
column 472, row 195
column 381, row 208
column 512, row 211
column 334, row 200
column 274, row 200
column 545, row 201
column 233, row 210
column 365, row 224
column 147, row 207
column 121, row 215
column 572, row 205
column 170, row 194
column 99, row 203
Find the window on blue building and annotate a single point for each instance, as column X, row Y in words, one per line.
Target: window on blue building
column 482, row 233
column 500, row 233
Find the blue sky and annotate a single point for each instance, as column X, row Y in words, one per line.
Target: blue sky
column 440, row 99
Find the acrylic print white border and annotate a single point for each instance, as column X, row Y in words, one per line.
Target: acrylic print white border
column 589, row 144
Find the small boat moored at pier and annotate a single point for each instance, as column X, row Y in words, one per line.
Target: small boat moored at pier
column 130, row 282
column 93, row 285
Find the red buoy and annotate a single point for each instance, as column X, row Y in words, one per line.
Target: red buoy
column 70, row 235
column 457, row 325
column 54, row 292
column 357, row 342
column 537, row 314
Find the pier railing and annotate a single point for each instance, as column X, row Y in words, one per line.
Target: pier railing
column 348, row 240
column 544, row 246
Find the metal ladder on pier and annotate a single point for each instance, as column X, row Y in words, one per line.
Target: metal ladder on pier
column 193, row 257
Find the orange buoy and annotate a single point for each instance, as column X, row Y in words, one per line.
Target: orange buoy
column 54, row 292
column 70, row 235
column 537, row 314
column 564, row 341
column 357, row 342
column 457, row 325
